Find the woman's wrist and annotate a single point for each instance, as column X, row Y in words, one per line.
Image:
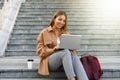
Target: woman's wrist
column 56, row 48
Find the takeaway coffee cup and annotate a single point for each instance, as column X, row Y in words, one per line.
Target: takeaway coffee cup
column 30, row 63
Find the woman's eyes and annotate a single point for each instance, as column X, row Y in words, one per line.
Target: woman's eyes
column 61, row 20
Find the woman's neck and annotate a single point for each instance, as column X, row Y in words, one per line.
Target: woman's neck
column 57, row 31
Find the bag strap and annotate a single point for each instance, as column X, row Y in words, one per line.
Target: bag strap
column 86, row 54
column 93, row 68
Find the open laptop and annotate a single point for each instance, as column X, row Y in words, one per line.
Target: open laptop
column 68, row 41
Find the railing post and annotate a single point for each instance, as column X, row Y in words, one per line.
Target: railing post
column 1, row 6
column 9, row 14
column 5, row 9
column 0, row 19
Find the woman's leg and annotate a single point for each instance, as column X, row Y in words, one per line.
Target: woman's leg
column 62, row 58
column 54, row 61
column 78, row 68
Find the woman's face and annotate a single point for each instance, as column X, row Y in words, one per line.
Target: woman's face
column 59, row 21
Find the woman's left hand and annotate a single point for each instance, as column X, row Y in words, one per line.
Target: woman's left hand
column 56, row 48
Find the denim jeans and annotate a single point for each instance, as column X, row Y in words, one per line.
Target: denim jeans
column 71, row 64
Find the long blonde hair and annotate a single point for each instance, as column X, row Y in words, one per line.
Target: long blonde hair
column 56, row 14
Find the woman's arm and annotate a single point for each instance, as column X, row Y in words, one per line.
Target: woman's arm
column 42, row 50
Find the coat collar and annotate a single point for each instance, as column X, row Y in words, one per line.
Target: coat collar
column 50, row 29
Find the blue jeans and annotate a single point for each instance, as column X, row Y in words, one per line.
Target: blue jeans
column 71, row 64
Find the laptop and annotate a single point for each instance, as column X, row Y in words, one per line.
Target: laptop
column 69, row 41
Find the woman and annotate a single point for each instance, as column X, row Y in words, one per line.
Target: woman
column 51, row 57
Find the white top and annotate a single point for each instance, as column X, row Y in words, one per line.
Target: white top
column 58, row 41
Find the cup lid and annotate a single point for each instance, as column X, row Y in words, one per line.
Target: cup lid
column 30, row 60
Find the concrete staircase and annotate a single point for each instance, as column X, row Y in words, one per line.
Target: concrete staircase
column 100, row 37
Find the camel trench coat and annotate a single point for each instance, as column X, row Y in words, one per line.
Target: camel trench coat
column 45, row 43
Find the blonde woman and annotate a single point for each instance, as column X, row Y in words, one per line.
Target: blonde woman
column 51, row 57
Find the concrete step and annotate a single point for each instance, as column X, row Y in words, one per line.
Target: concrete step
column 26, row 73
column 51, row 13
column 55, row 9
column 45, row 1
column 35, row 79
column 89, row 46
column 70, row 27
column 83, row 42
column 48, row 16
column 63, row 2
column 69, row 19
column 30, row 27
column 82, row 47
column 25, row 47
column 22, row 41
column 72, row 24
column 16, row 67
column 49, row 9
column 73, row 30
column 53, row 79
column 40, row 4
column 32, row 52
column 60, row 5
column 91, row 10
column 89, row 36
column 69, row 13
column 17, row 62
column 20, row 52
column 82, row 1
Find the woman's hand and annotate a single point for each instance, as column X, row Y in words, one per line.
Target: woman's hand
column 55, row 48
column 73, row 51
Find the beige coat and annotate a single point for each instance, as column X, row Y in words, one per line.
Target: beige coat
column 45, row 43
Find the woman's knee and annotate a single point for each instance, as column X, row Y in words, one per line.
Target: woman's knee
column 65, row 52
column 75, row 57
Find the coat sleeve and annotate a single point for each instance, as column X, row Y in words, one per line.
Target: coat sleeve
column 42, row 50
